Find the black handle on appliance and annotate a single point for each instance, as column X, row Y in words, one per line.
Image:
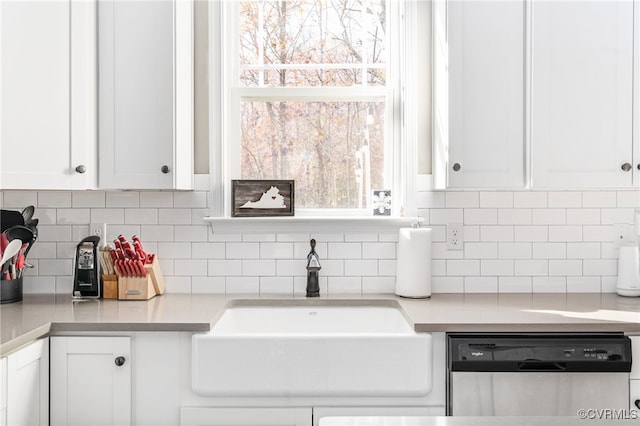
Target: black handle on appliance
column 637, row 403
column 533, row 365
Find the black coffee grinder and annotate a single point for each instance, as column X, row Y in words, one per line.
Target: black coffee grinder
column 86, row 277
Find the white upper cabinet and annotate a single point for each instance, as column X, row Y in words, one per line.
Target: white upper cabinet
column 48, row 95
column 582, row 93
column 486, row 42
column 145, row 94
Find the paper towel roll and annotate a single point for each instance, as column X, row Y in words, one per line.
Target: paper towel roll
column 413, row 276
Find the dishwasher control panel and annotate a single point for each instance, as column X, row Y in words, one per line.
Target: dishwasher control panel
column 539, row 352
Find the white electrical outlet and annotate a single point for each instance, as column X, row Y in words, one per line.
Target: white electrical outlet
column 98, row 229
column 455, row 236
column 623, row 234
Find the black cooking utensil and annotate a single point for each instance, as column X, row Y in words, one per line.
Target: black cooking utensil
column 20, row 232
column 27, row 213
column 10, row 218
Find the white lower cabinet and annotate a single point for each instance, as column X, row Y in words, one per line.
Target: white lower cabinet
column 211, row 416
column 3, row 391
column 90, row 380
column 27, row 385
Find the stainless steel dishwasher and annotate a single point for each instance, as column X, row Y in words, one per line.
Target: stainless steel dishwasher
column 537, row 374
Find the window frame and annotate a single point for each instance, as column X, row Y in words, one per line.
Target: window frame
column 400, row 128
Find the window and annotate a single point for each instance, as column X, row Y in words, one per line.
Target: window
column 311, row 91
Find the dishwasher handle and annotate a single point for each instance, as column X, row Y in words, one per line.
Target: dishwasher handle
column 535, row 365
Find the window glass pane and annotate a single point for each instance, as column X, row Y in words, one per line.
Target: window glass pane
column 333, row 150
column 279, row 40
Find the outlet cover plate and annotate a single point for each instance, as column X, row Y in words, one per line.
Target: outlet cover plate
column 455, row 236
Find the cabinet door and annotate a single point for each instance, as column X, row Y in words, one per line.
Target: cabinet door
column 28, row 385
column 581, row 93
column 486, row 93
column 89, row 385
column 206, row 416
column 48, row 94
column 3, row 391
column 145, row 62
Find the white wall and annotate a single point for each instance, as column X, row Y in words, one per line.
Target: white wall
column 522, row 241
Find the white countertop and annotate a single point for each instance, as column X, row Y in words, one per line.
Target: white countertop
column 38, row 315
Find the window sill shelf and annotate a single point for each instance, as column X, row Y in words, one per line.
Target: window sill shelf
column 297, row 224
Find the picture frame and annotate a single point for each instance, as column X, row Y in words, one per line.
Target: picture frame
column 262, row 198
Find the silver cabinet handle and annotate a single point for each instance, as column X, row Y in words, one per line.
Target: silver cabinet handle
column 456, row 167
column 626, row 167
column 165, row 169
column 81, row 169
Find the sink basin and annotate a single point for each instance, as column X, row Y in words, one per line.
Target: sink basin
column 306, row 349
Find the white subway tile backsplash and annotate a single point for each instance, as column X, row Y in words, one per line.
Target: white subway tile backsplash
column 208, row 251
column 480, row 284
column 18, row 200
column 496, row 233
column 44, row 284
column 378, row 250
column 141, row 216
column 259, row 238
column 243, row 250
column 496, row 267
column 565, row 267
column 360, row 268
column 599, row 199
column 583, row 250
column 190, row 267
column 583, row 285
column 123, row 199
column 514, row 250
column 214, row 285
column 530, row 199
column 276, row 250
column 194, row 233
column 463, row 267
column 190, row 199
column 378, row 284
column 156, row 199
column 462, row 199
column 276, row 285
column 110, row 216
column 514, row 241
column 549, row 217
column 601, row 267
column 549, row 250
column 537, row 233
column 583, row 216
column 564, row 199
column 54, row 199
column 88, row 199
column 447, row 285
column 515, row 284
column 155, row 233
column 514, row 216
column 496, row 199
column 549, row 284
column 629, row 198
column 73, row 217
column 568, row 233
column 344, row 251
column 174, row 216
column 224, row 268
column 243, row 285
column 531, row 267
column 481, row 250
column 344, row 285
column 260, row 268
column 620, row 215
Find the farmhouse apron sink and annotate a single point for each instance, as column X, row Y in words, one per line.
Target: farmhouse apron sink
column 312, row 348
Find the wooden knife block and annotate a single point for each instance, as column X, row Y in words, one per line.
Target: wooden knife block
column 142, row 288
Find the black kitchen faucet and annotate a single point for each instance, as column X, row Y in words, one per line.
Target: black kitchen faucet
column 313, row 266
